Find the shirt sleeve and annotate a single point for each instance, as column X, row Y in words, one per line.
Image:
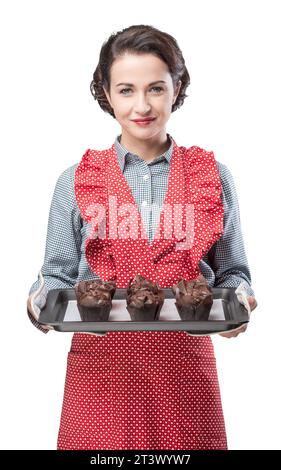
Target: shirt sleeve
column 227, row 257
column 63, row 243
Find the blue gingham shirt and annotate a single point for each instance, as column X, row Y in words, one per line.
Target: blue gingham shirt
column 225, row 265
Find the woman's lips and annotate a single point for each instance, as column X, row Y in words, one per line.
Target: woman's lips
column 144, row 123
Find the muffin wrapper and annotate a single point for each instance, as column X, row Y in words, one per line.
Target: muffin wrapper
column 191, row 313
column 94, row 313
column 203, row 310
column 147, row 313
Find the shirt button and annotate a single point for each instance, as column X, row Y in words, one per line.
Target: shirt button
column 145, row 177
column 144, row 203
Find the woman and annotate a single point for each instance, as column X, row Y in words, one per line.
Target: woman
column 147, row 389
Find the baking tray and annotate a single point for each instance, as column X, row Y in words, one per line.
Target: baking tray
column 62, row 313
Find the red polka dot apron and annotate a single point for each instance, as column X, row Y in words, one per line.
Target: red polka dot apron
column 145, row 389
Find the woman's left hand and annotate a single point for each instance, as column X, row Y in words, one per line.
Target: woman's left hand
column 232, row 334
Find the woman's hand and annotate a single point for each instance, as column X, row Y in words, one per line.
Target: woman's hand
column 35, row 302
column 232, row 334
column 34, row 312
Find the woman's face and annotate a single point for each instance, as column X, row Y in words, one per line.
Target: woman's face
column 141, row 86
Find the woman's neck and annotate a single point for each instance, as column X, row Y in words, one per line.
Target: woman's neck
column 149, row 149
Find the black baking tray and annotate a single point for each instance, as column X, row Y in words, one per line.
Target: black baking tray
column 60, row 302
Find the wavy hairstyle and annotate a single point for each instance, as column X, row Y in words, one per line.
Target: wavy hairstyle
column 139, row 39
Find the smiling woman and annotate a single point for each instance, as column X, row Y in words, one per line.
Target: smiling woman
column 148, row 57
column 142, row 389
column 139, row 40
column 143, row 105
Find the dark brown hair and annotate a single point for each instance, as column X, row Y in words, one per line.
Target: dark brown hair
column 139, row 39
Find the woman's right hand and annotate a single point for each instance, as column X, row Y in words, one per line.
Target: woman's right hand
column 33, row 314
column 35, row 302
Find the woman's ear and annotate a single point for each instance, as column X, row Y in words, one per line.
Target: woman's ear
column 177, row 90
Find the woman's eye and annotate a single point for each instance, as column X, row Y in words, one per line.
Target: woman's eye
column 124, row 89
column 158, row 88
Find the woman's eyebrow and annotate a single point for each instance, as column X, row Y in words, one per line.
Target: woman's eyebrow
column 131, row 84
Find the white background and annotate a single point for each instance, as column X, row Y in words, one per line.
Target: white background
column 49, row 118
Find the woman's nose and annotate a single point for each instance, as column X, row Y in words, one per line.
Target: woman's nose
column 142, row 104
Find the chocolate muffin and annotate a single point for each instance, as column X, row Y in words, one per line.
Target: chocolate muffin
column 144, row 299
column 94, row 299
column 194, row 299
